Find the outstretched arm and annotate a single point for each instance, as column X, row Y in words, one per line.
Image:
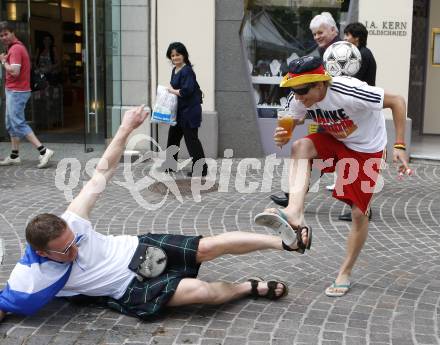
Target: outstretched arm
column 84, row 202
column 398, row 107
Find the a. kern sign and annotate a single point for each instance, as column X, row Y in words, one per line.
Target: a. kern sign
column 386, row 28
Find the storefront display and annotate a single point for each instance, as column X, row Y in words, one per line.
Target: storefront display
column 273, row 34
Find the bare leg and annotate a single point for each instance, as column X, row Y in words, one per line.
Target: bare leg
column 299, row 178
column 235, row 242
column 303, row 151
column 33, row 139
column 15, row 143
column 355, row 241
column 192, row 291
column 195, row 291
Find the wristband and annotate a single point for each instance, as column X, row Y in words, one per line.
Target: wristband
column 400, row 146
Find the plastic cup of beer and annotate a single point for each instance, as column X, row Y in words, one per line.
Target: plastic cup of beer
column 285, row 120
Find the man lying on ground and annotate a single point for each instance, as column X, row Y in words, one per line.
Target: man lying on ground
column 136, row 275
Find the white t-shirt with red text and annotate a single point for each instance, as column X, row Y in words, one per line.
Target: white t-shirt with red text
column 351, row 111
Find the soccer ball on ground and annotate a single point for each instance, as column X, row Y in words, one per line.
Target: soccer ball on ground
column 342, row 58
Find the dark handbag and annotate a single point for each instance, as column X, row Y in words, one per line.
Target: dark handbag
column 148, row 261
column 38, row 81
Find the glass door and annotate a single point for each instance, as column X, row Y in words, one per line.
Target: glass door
column 94, row 59
column 46, row 48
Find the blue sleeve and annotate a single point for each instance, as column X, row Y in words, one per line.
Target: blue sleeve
column 188, row 82
column 28, row 303
column 33, row 283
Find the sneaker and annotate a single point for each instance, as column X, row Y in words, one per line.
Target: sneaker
column 10, row 161
column 44, row 159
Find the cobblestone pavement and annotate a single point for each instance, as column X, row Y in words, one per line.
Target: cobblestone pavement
column 395, row 298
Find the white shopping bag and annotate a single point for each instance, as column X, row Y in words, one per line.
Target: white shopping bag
column 165, row 108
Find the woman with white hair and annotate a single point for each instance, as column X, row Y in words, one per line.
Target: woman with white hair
column 324, row 30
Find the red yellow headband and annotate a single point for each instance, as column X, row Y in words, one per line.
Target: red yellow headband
column 312, row 76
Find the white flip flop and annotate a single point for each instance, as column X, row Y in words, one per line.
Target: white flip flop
column 278, row 223
column 343, row 289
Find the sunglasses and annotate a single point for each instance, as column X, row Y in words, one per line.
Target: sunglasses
column 304, row 90
column 76, row 240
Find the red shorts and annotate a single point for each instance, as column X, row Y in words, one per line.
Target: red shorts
column 357, row 172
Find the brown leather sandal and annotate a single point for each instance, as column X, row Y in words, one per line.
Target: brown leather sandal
column 271, row 285
column 301, row 246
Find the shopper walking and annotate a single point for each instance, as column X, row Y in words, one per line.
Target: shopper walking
column 17, row 65
column 184, row 85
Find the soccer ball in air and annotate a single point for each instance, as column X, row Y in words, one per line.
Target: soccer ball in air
column 342, row 58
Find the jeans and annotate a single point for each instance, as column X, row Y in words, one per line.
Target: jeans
column 15, row 121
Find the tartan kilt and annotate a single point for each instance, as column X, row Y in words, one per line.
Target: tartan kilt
column 146, row 298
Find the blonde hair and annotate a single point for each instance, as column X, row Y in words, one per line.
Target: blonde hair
column 325, row 18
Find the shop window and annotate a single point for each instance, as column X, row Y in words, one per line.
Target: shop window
column 273, row 34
